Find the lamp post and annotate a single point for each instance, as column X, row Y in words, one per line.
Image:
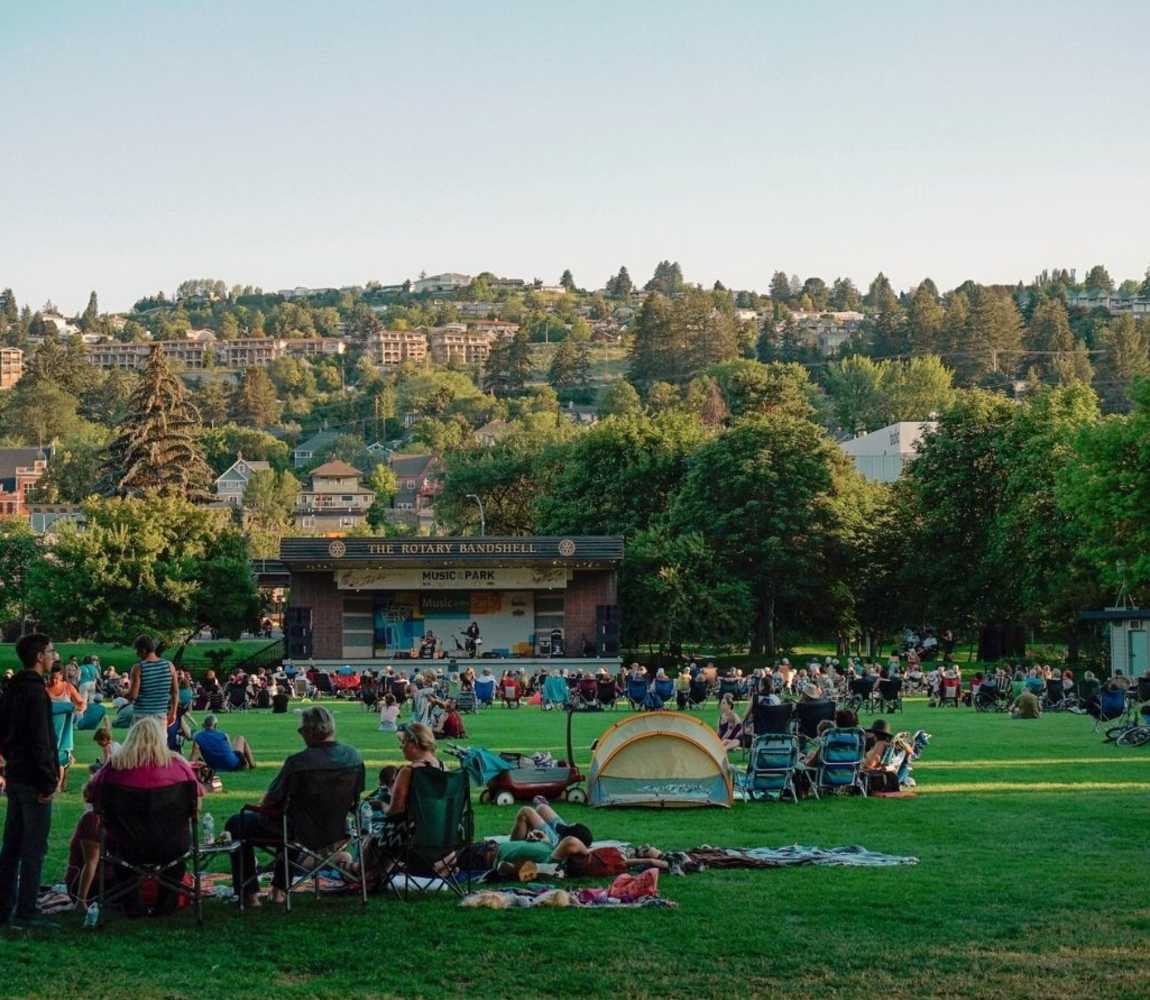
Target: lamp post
column 482, row 515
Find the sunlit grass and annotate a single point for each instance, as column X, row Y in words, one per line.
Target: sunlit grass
column 1015, row 825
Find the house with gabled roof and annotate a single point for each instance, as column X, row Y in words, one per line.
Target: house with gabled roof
column 230, row 486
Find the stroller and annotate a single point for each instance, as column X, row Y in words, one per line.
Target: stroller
column 890, row 694
column 237, row 697
column 861, row 691
column 991, row 698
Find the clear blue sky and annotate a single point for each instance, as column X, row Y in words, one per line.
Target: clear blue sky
column 333, row 143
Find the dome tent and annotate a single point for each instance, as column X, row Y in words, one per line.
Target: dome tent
column 662, row 759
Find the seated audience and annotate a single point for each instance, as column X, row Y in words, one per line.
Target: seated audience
column 730, row 727
column 213, row 747
column 84, row 854
column 1028, row 706
column 322, row 753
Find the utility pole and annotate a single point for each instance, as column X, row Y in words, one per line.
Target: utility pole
column 482, row 515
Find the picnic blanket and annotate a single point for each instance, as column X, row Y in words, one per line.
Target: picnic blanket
column 628, row 891
column 708, row 856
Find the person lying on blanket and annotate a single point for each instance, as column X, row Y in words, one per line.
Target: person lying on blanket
column 540, row 836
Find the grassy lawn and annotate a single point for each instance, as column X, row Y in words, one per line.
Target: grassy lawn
column 1032, row 840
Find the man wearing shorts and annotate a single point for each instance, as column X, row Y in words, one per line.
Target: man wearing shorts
column 221, row 754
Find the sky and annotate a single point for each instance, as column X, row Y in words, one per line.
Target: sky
column 324, row 144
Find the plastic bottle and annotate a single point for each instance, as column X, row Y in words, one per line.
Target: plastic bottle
column 208, row 829
column 365, row 814
column 92, row 916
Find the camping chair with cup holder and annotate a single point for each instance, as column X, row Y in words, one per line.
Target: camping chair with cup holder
column 148, row 836
column 440, row 825
column 320, row 819
column 841, row 754
column 774, row 760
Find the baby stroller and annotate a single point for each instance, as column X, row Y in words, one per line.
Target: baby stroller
column 890, row 694
column 990, row 698
column 861, row 690
column 237, row 697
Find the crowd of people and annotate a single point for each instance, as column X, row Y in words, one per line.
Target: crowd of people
column 46, row 703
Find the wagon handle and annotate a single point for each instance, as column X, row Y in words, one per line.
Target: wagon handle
column 570, row 750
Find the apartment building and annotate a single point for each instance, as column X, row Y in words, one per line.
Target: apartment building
column 391, row 348
column 11, row 366
column 452, row 346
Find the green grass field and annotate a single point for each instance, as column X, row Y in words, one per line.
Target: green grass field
column 1032, row 840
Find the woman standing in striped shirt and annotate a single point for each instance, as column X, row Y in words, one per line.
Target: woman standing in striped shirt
column 154, row 690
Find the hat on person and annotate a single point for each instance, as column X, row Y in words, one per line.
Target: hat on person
column 880, row 729
column 810, row 691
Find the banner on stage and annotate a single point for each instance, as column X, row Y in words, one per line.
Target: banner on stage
column 508, row 578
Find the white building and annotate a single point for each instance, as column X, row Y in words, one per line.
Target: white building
column 448, row 282
column 881, row 455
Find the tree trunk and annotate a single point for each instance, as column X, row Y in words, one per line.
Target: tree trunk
column 1073, row 646
column 772, row 648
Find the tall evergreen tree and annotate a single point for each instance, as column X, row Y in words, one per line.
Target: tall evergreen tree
column 91, row 313
column 780, row 288
column 620, row 286
column 255, row 401
column 158, row 448
column 567, row 280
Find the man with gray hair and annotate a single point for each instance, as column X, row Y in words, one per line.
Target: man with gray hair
column 323, row 753
column 213, row 747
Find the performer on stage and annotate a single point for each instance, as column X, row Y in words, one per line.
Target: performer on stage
column 473, row 639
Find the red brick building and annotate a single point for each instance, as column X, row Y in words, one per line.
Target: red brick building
column 358, row 600
column 20, row 470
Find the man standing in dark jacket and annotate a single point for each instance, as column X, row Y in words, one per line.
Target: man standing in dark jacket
column 32, row 775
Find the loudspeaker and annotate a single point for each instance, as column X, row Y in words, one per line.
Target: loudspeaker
column 607, row 629
column 996, row 642
column 297, row 633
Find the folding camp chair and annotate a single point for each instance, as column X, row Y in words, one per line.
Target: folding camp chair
column 485, row 691
column 440, row 824
column 465, row 700
column 808, row 715
column 314, row 828
column 605, row 692
column 637, row 691
column 771, row 769
column 890, row 694
column 148, row 833
column 767, row 718
column 664, row 691
column 730, row 685
column 949, row 695
column 698, row 692
column 840, row 760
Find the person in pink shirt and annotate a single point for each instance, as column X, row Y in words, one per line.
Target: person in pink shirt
column 144, row 761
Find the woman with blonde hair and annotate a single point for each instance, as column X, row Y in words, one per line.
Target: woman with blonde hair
column 417, row 742
column 144, row 760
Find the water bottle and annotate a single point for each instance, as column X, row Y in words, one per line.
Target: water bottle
column 92, row 916
column 365, row 814
column 208, row 829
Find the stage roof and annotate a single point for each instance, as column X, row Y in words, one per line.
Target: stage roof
column 575, row 551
